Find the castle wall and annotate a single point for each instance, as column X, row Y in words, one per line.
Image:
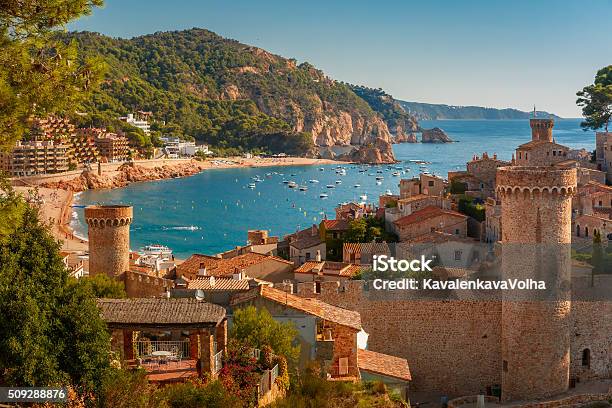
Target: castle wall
column 452, row 347
column 142, row 285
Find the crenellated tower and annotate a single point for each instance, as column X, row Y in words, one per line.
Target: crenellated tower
column 536, row 243
column 109, row 238
column 541, row 129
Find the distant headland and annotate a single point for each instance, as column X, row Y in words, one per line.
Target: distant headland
column 429, row 111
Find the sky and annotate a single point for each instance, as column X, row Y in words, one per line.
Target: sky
column 514, row 53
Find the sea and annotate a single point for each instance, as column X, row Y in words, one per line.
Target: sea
column 211, row 212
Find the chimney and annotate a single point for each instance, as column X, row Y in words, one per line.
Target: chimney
column 211, row 280
column 318, row 258
column 313, row 230
column 202, row 270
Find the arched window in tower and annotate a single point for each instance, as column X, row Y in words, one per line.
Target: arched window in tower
column 586, row 358
column 577, row 230
column 586, row 231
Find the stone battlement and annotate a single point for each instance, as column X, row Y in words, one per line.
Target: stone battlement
column 108, row 215
column 521, row 179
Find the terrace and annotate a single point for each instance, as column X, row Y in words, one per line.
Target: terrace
column 172, row 339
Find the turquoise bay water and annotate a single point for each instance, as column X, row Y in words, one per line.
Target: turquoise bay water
column 212, row 211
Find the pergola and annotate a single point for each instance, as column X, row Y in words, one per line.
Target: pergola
column 205, row 323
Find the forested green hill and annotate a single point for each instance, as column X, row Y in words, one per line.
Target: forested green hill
column 223, row 92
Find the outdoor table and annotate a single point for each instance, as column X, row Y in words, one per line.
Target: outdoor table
column 161, row 355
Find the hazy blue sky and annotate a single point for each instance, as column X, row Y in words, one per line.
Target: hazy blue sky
column 510, row 53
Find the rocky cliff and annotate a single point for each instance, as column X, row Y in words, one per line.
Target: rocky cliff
column 435, row 135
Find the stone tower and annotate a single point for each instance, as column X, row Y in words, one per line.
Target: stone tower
column 109, row 238
column 536, row 243
column 541, row 129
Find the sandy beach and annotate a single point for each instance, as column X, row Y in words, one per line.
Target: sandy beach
column 56, row 204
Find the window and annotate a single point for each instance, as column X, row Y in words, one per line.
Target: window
column 586, row 358
column 554, row 152
column 600, row 203
column 430, row 183
column 505, row 364
column 457, row 255
column 307, row 256
column 317, row 287
column 526, row 154
column 456, row 231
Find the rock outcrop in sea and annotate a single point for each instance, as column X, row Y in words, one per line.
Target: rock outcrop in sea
column 379, row 152
column 435, row 135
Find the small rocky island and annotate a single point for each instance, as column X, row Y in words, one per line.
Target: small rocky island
column 435, row 135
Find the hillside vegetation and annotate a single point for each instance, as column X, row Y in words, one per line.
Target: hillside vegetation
column 225, row 93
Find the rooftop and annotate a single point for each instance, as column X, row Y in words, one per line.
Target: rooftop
column 329, row 268
column 336, row 225
column 159, row 311
column 425, row 214
column 306, row 238
column 222, row 267
column 383, row 364
column 218, row 284
column 310, row 306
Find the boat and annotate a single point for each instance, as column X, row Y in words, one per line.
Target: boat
column 379, row 171
column 257, row 179
column 313, row 181
column 292, row 184
column 341, row 172
column 323, row 195
column 363, row 197
column 321, row 169
column 303, row 188
column 380, row 178
column 378, row 183
column 388, row 192
column 357, row 185
column 396, row 173
column 330, row 186
column 251, row 185
column 285, row 181
column 156, row 249
column 338, row 181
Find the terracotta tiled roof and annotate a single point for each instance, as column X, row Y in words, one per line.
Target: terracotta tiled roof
column 222, row 267
column 427, row 213
column 329, row 268
column 367, row 247
column 383, row 364
column 306, row 238
column 310, row 306
column 159, row 311
column 218, row 284
column 336, row 225
column 308, row 266
column 535, row 143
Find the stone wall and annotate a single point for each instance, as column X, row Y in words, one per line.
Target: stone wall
column 453, row 347
column 142, row 285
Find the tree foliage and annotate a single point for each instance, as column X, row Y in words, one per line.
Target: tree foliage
column 257, row 328
column 39, row 74
column 50, row 328
column 596, row 101
column 368, row 229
